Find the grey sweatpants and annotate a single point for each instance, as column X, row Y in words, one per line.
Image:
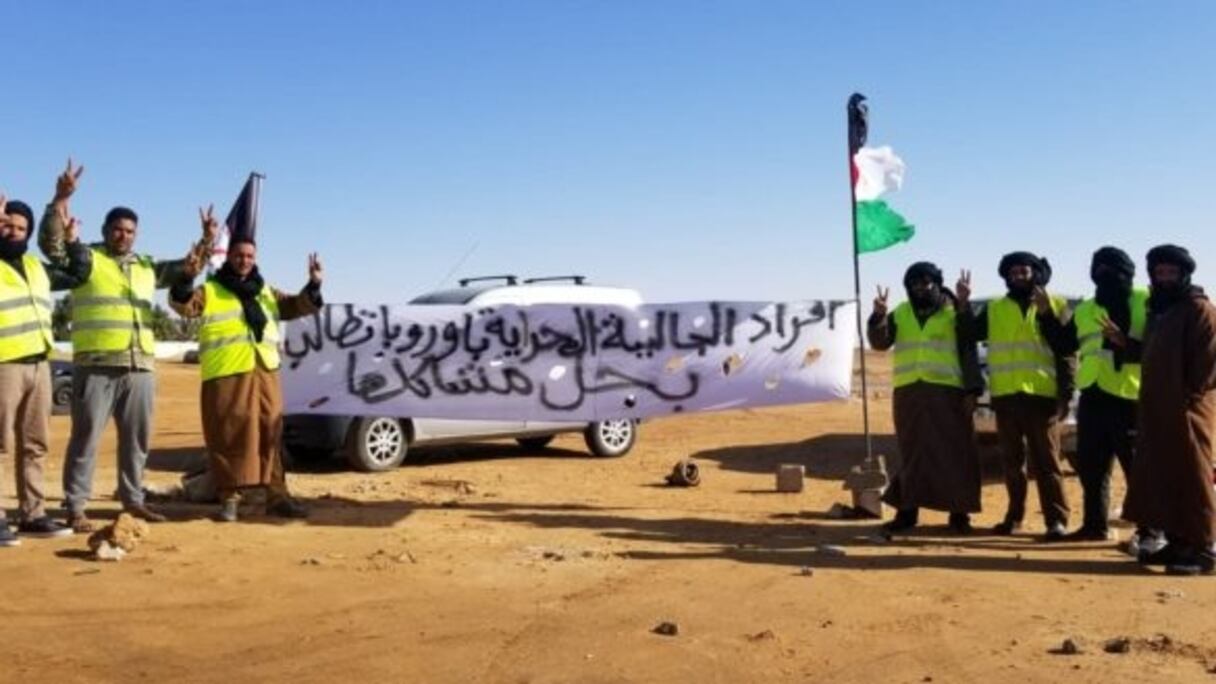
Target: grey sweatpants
column 99, row 392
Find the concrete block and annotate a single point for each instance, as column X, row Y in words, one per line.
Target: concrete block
column 790, row 477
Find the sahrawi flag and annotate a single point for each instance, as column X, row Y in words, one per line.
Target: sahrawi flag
column 242, row 220
column 876, row 172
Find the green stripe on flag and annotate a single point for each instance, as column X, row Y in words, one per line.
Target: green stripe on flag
column 879, row 227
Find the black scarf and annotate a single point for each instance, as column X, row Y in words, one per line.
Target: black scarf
column 247, row 290
column 1113, row 272
column 1160, row 299
column 12, row 251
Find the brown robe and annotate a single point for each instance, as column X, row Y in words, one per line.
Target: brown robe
column 243, row 414
column 939, row 461
column 1170, row 487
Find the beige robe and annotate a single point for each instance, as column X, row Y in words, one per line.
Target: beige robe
column 243, row 414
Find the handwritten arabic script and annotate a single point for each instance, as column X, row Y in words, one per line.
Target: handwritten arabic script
column 566, row 362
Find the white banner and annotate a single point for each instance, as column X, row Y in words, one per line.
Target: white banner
column 566, row 362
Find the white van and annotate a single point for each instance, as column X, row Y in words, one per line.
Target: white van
column 377, row 443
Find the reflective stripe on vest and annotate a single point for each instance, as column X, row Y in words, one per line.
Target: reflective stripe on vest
column 1098, row 364
column 1019, row 359
column 226, row 345
column 25, row 310
column 110, row 308
column 926, row 353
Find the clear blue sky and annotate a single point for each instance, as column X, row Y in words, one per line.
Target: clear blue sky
column 693, row 149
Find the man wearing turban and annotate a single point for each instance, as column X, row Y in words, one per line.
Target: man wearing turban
column 1107, row 331
column 933, row 402
column 1171, row 482
column 1030, row 383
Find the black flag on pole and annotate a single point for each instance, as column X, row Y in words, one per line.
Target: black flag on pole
column 242, row 220
column 859, row 122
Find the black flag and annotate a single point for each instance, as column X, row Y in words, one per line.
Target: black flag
column 242, row 219
column 859, row 122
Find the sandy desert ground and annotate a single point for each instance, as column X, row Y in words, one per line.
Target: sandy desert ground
column 481, row 564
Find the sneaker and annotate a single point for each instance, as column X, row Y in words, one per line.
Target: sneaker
column 80, row 523
column 1198, row 563
column 144, row 513
column 960, row 523
column 1090, row 534
column 7, row 538
column 228, row 510
column 43, row 528
column 1055, row 533
column 1166, row 555
column 1007, row 527
column 1144, row 541
column 287, row 508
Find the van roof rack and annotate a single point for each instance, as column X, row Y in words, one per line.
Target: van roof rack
column 511, row 279
column 576, row 279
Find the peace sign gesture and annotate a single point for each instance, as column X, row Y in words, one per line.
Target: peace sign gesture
column 1112, row 332
column 65, row 185
column 211, row 226
column 3, row 214
column 71, row 227
column 962, row 289
column 880, row 302
column 315, row 272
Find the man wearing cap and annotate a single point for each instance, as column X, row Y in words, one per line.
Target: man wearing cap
column 933, row 402
column 114, row 351
column 241, row 402
column 1171, row 486
column 1030, row 383
column 1106, row 330
column 25, row 346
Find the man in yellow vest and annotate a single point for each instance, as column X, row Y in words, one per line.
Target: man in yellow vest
column 1106, row 330
column 25, row 346
column 114, row 350
column 1030, row 383
column 936, row 379
column 242, row 405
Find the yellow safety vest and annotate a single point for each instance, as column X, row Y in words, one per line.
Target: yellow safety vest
column 1098, row 364
column 929, row 353
column 1019, row 358
column 109, row 308
column 25, row 311
column 226, row 345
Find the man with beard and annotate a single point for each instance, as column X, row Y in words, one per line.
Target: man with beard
column 242, row 405
column 25, row 346
column 933, row 402
column 114, row 351
column 1030, row 384
column 1171, row 482
column 1107, row 331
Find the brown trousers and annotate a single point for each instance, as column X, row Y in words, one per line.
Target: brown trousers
column 25, row 414
column 1028, row 426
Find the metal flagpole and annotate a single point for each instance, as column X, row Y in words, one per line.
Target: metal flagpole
column 858, row 124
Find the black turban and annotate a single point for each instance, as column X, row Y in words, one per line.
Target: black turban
column 922, row 269
column 1040, row 266
column 1114, row 259
column 1171, row 254
column 18, row 208
column 15, row 249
